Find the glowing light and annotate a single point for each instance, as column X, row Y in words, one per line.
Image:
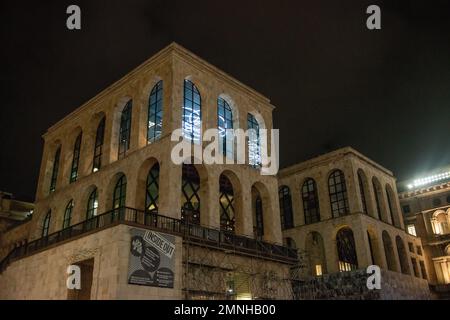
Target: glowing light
column 429, row 179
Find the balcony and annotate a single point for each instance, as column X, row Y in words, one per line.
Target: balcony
column 191, row 234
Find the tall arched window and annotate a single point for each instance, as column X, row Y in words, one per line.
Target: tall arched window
column 155, row 113
column 92, row 205
column 55, row 170
column 68, row 215
column 125, row 129
column 75, row 159
column 338, row 194
column 403, row 257
column 254, row 141
column 440, row 222
column 259, row 218
column 190, row 195
column 224, row 123
column 46, row 224
column 362, row 192
column 152, row 190
column 119, row 197
column 392, row 207
column 389, row 252
column 192, row 113
column 226, row 202
column 286, row 214
column 310, row 201
column 346, row 248
column 377, row 193
column 98, row 148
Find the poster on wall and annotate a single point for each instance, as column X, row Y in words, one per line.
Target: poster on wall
column 152, row 259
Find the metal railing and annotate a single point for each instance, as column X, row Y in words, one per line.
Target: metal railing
column 189, row 232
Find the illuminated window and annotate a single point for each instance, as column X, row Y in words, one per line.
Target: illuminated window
column 286, row 214
column 254, row 143
column 92, row 206
column 310, row 202
column 411, row 229
column 346, row 248
column 226, row 202
column 155, row 113
column 75, row 159
column 439, row 223
column 55, row 170
column 125, row 129
column 68, row 215
column 46, row 224
column 224, row 123
column 152, row 190
column 338, row 194
column 192, row 113
column 318, row 270
column 98, row 148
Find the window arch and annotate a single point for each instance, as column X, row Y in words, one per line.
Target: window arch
column 75, row 159
column 155, row 113
column 98, row 148
column 254, row 141
column 92, row 205
column 440, row 223
column 346, row 248
column 310, row 199
column 46, row 224
column 338, row 194
column 119, row 197
column 377, row 194
column 55, row 170
column 224, row 123
column 286, row 214
column 226, row 203
column 192, row 113
column 391, row 205
column 190, row 195
column 259, row 217
column 389, row 251
column 68, row 215
column 125, row 129
column 152, row 190
column 404, row 265
column 362, row 192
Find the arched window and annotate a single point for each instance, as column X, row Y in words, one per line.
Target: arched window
column 46, row 224
column 125, row 129
column 254, row 141
column 259, row 218
column 192, row 113
column 152, row 190
column 287, row 219
column 190, row 195
column 377, row 193
column 390, row 205
column 310, row 201
column 98, row 148
column 68, row 215
column 119, row 197
column 155, row 113
column 224, row 123
column 75, row 159
column 346, row 248
column 362, row 193
column 404, row 265
column 389, row 252
column 440, row 223
column 338, row 194
column 55, row 170
column 316, row 254
column 92, row 205
column 226, row 202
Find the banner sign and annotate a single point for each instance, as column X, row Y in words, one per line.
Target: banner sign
column 152, row 259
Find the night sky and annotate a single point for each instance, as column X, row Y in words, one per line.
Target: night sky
column 334, row 82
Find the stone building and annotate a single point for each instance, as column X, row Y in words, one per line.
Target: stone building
column 112, row 203
column 426, row 208
column 107, row 181
column 342, row 210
